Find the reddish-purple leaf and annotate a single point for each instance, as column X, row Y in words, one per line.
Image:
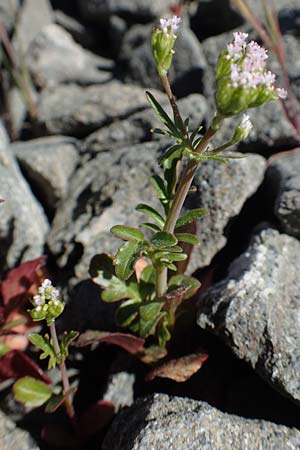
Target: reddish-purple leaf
column 16, row 285
column 180, row 369
column 96, row 417
column 57, row 436
column 57, row 400
column 128, row 342
column 16, row 364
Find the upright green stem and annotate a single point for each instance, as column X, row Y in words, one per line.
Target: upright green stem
column 64, row 376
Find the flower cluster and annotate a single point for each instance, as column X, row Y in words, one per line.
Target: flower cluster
column 162, row 42
column 242, row 78
column 170, row 25
column 242, row 130
column 47, row 304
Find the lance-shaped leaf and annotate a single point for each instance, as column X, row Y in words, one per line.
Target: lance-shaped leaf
column 164, row 117
column 190, row 216
column 187, row 238
column 31, row 392
column 127, row 312
column 128, row 342
column 152, row 213
column 151, row 226
column 125, row 259
column 44, row 344
column 163, row 239
column 149, row 316
column 127, row 233
column 180, row 369
column 159, row 186
column 66, row 340
column 172, row 155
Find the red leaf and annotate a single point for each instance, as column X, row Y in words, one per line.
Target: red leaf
column 16, row 285
column 16, row 364
column 180, row 369
column 128, row 342
column 96, row 417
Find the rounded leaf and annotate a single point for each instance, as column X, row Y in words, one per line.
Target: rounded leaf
column 31, row 392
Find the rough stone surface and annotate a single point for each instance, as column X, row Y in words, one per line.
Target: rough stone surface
column 14, row 438
column 8, row 10
column 186, row 72
column 166, row 423
column 283, row 184
column 23, row 225
column 54, row 58
column 48, row 164
column 97, row 10
column 256, row 309
column 223, row 190
column 75, row 110
column 119, row 389
column 137, row 128
column 32, row 17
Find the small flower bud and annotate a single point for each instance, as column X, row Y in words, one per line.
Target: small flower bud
column 47, row 305
column 162, row 43
column 242, row 79
column 242, row 130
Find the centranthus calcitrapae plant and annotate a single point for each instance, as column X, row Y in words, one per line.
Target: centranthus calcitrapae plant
column 151, row 298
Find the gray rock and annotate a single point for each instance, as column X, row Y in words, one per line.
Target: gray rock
column 222, row 189
column 256, row 309
column 54, row 58
column 23, row 225
column 166, row 423
column 78, row 31
column 283, row 184
column 8, row 11
column 99, row 10
column 14, row 438
column 75, row 110
column 103, row 193
column 48, row 164
column 187, row 70
column 32, row 17
column 137, row 128
column 119, row 389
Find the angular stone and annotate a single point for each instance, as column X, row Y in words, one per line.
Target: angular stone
column 187, row 70
column 137, row 127
column 256, row 309
column 54, row 58
column 14, row 438
column 48, row 164
column 166, row 423
column 32, row 17
column 23, row 225
column 97, row 10
column 102, row 193
column 8, row 11
column 119, row 389
column 283, row 186
column 75, row 110
column 222, row 189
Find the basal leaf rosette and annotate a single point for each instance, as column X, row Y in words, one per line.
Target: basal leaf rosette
column 243, row 80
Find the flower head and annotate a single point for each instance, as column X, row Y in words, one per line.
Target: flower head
column 242, row 78
column 46, row 303
column 243, row 129
column 170, row 26
column 162, row 42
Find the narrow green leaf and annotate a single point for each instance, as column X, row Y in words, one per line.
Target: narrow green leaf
column 195, row 134
column 159, row 186
column 150, row 226
column 66, row 340
column 188, row 238
column 127, row 233
column 190, row 216
column 164, row 117
column 125, row 259
column 44, row 343
column 149, row 316
column 174, row 153
column 152, row 213
column 163, row 239
column 31, row 392
column 175, row 257
column 127, row 312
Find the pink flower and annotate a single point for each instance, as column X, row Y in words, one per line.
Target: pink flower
column 170, row 25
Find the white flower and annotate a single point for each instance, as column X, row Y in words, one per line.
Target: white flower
column 38, row 300
column 170, row 25
column 246, row 123
column 281, row 93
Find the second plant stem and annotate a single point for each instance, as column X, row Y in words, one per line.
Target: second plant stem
column 64, row 376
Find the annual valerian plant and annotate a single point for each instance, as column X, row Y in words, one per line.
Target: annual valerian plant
column 150, row 299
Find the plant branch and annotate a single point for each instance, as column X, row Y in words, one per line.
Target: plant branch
column 64, row 375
